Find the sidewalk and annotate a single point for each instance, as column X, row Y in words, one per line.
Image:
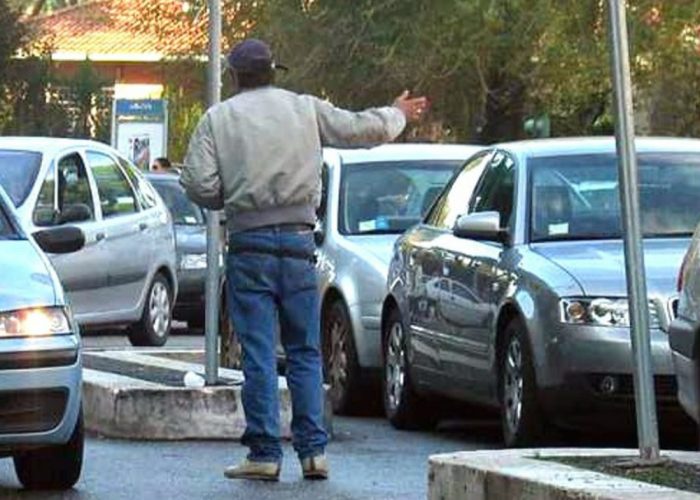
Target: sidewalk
column 141, row 395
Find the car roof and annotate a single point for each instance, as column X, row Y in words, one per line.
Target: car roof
column 46, row 145
column 407, row 151
column 590, row 145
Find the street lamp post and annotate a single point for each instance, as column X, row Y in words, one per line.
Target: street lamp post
column 647, row 429
column 213, row 229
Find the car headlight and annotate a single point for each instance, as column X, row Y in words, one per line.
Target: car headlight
column 601, row 312
column 35, row 322
column 192, row 261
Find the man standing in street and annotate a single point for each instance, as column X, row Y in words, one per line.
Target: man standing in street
column 258, row 156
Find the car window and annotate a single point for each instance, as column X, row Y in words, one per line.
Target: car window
column 496, row 189
column 389, row 197
column 454, row 201
column 577, row 196
column 18, row 171
column 322, row 206
column 116, row 196
column 7, row 231
column 68, row 199
column 182, row 209
column 144, row 192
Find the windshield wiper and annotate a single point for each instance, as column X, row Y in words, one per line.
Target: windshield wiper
column 578, row 237
column 679, row 234
column 379, row 231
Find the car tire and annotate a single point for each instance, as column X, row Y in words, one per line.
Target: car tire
column 521, row 416
column 154, row 327
column 54, row 467
column 341, row 369
column 404, row 408
column 231, row 351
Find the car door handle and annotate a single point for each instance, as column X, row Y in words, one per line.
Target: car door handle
column 143, row 226
column 100, row 236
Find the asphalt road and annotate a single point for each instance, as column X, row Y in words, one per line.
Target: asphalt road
column 369, row 460
column 180, row 338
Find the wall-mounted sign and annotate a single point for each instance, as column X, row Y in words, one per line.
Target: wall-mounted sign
column 140, row 129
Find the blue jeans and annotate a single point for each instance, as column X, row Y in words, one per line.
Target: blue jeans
column 265, row 287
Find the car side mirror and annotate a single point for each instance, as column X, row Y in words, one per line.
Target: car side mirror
column 481, row 226
column 78, row 212
column 62, row 239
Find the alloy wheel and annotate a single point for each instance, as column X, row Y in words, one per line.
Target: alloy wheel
column 159, row 309
column 513, row 384
column 338, row 358
column 395, row 370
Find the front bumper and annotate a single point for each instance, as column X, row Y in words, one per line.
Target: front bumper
column 40, row 385
column 190, row 298
column 684, row 337
column 588, row 371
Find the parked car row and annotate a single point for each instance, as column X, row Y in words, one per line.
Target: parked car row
column 492, row 275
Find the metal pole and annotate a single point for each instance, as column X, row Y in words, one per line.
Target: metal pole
column 213, row 228
column 645, row 397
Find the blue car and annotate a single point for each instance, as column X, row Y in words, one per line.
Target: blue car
column 41, row 423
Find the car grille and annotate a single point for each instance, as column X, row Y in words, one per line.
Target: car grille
column 38, row 359
column 31, row 410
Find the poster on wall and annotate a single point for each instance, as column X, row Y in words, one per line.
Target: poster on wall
column 139, row 130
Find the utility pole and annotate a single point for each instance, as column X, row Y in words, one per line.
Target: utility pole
column 647, row 428
column 212, row 295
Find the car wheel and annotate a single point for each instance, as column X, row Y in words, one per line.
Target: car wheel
column 340, row 366
column 154, row 327
column 403, row 407
column 231, row 350
column 55, row 467
column 521, row 418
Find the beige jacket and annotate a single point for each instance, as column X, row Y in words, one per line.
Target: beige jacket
column 258, row 154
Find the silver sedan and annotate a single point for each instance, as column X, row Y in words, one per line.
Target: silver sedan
column 370, row 197
column 515, row 297
column 125, row 274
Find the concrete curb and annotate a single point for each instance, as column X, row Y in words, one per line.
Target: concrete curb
column 125, row 407
column 518, row 474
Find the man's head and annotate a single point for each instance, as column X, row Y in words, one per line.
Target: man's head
column 252, row 65
column 161, row 165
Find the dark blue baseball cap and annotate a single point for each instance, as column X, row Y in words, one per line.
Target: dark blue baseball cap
column 252, row 55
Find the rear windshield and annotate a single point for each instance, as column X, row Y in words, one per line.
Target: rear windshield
column 18, row 171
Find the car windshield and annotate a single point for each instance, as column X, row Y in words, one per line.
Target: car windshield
column 389, row 197
column 576, row 197
column 18, row 170
column 183, row 210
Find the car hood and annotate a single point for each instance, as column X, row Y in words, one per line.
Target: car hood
column 379, row 247
column 599, row 266
column 26, row 279
column 191, row 239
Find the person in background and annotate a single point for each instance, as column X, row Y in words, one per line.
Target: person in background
column 258, row 156
column 162, row 165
